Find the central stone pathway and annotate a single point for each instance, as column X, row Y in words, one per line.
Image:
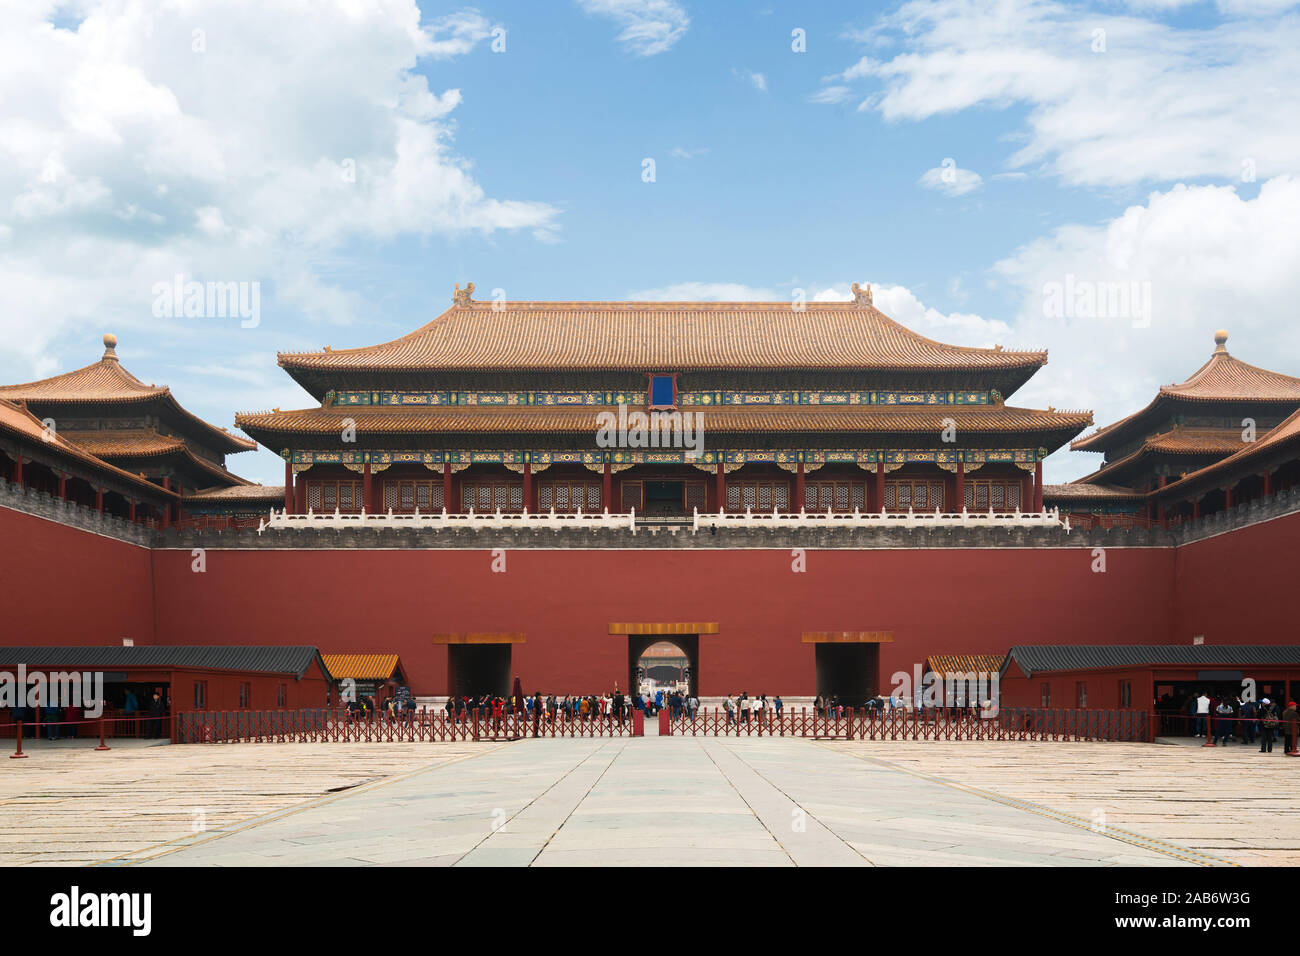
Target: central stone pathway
column 704, row 801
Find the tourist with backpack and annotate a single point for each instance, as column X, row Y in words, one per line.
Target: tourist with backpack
column 1267, row 725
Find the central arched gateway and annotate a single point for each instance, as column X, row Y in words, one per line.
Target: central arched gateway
column 670, row 647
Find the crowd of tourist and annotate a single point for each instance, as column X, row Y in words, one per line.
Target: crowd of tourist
column 1228, row 718
column 56, row 723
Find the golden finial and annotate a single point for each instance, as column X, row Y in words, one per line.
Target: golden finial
column 1221, row 342
column 110, row 343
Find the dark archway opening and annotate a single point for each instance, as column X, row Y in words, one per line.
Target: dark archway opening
column 848, row 671
column 477, row 669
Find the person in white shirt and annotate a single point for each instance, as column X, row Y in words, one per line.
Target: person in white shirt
column 1202, row 711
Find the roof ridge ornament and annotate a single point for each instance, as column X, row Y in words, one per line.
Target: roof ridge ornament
column 1221, row 342
column 462, row 297
column 110, row 344
column 862, row 296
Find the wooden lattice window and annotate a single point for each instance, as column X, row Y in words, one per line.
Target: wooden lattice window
column 406, row 496
column 696, row 496
column 1000, row 495
column 1045, row 694
column 758, row 495
column 919, row 495
column 632, row 495
column 1081, row 690
column 568, row 496
column 492, row 496
column 328, row 496
column 834, row 496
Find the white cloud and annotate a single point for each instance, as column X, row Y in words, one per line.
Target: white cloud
column 648, row 26
column 133, row 148
column 831, row 94
column 757, row 80
column 904, row 306
column 950, row 179
column 1209, row 258
column 1161, row 103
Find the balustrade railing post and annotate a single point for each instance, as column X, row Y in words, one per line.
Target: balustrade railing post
column 18, row 754
column 102, row 745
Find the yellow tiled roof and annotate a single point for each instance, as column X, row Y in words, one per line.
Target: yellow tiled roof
column 361, row 666
column 944, row 664
column 656, row 335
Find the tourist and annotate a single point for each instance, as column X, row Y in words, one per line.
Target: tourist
column 1202, row 712
column 694, row 705
column 50, row 717
column 1223, row 721
column 1267, row 725
column 780, row 706
column 727, row 706
column 1249, row 713
column 157, row 708
column 131, row 704
column 1290, row 717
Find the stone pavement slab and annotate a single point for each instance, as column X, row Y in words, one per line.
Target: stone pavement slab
column 689, row 801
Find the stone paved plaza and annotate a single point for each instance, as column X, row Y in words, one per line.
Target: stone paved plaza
column 701, row 801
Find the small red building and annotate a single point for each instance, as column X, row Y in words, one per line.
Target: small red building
column 189, row 678
column 1138, row 675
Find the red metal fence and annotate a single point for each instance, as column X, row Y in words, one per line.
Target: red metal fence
column 425, row 726
column 1009, row 723
column 422, row 726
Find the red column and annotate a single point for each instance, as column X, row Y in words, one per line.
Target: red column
column 63, row 486
column 446, row 488
column 299, row 496
column 1227, row 498
column 797, row 504
column 1038, row 486
column 607, row 488
column 99, row 500
column 1196, row 508
column 960, row 503
column 132, row 513
column 528, row 487
column 880, row 486
column 722, row 489
column 288, row 487
column 1160, row 502
column 18, row 471
column 1268, row 483
column 367, row 490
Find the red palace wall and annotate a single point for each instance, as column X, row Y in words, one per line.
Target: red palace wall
column 935, row 601
column 62, row 585
column 1239, row 587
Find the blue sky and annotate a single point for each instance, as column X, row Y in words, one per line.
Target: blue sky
column 960, row 156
